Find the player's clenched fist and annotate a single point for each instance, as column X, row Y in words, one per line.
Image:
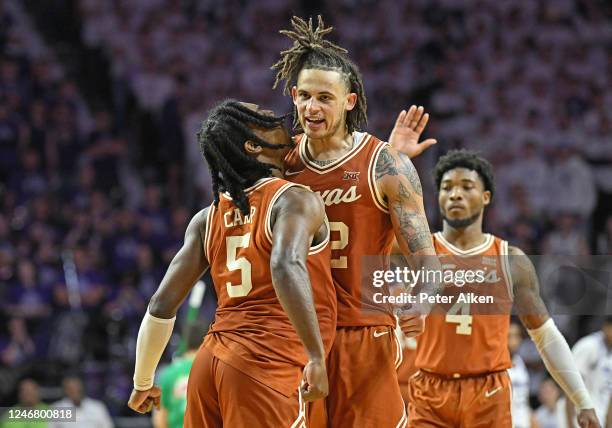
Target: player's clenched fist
column 143, row 401
column 412, row 324
column 314, row 384
column 587, row 419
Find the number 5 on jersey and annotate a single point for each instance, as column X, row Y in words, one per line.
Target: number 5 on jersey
column 232, row 244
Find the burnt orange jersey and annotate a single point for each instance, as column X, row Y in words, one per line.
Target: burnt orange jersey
column 251, row 331
column 359, row 221
column 469, row 334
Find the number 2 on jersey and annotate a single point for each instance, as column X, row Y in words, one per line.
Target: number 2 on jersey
column 340, row 244
column 464, row 320
column 232, row 244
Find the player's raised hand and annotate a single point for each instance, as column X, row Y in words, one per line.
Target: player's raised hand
column 143, row 401
column 314, row 383
column 588, row 419
column 412, row 324
column 408, row 129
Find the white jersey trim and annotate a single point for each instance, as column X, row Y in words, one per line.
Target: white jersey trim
column 357, row 147
column 469, row 252
column 404, row 419
column 209, row 217
column 377, row 196
column 279, row 192
column 300, row 421
column 505, row 266
column 314, row 249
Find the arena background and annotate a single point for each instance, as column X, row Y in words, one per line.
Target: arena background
column 100, row 171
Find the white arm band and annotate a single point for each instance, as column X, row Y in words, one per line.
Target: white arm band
column 559, row 361
column 152, row 339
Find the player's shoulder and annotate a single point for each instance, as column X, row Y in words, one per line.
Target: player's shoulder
column 300, row 198
column 198, row 221
column 512, row 249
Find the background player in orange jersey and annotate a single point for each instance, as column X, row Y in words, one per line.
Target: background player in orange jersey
column 462, row 358
column 372, row 195
column 261, row 238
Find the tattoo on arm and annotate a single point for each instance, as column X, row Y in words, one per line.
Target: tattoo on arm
column 385, row 164
column 408, row 169
column 413, row 225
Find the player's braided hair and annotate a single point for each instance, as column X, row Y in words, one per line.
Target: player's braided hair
column 222, row 137
column 311, row 51
column 465, row 159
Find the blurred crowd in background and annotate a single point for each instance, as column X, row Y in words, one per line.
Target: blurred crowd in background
column 100, row 171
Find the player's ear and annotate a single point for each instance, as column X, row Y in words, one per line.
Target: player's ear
column 294, row 94
column 252, row 149
column 486, row 197
column 351, row 101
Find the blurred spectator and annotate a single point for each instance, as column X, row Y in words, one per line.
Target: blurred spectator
column 593, row 355
column 573, row 187
column 19, row 347
column 90, row 413
column 519, row 377
column 551, row 414
column 28, row 398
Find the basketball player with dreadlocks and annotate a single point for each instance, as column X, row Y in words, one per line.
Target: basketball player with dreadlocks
column 372, row 194
column 462, row 356
column 266, row 241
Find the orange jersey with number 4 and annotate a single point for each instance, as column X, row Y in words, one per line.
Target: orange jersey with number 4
column 359, row 221
column 469, row 334
column 251, row 331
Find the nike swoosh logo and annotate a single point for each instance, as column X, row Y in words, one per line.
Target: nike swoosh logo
column 492, row 392
column 292, row 172
column 380, row 333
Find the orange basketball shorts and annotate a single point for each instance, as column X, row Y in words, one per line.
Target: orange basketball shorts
column 218, row 395
column 475, row 402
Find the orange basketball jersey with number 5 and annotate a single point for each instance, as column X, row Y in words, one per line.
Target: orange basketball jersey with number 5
column 359, row 221
column 251, row 331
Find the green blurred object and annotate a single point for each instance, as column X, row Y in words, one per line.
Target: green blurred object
column 195, row 301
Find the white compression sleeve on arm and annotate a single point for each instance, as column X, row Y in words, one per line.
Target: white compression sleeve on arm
column 152, row 339
column 559, row 361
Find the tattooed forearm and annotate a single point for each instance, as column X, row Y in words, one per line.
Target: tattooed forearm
column 408, row 169
column 385, row 164
column 412, row 224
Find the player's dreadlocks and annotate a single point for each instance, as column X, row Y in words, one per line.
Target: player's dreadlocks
column 465, row 159
column 222, row 137
column 311, row 51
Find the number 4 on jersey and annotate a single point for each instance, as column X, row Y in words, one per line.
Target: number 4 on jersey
column 464, row 320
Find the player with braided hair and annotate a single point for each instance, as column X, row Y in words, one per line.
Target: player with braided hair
column 372, row 195
column 266, row 242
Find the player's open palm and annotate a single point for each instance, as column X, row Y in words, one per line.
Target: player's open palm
column 407, row 131
column 588, row 419
column 314, row 383
column 143, row 401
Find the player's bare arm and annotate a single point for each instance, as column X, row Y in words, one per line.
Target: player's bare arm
column 185, row 269
column 297, row 217
column 399, row 182
column 407, row 131
column 551, row 344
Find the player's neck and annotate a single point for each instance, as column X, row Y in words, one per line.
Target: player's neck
column 464, row 238
column 331, row 147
